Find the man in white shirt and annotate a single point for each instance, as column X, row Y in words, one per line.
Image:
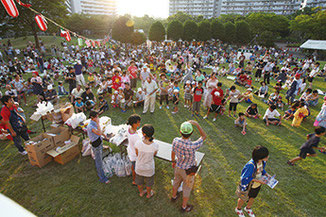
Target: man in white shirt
column 76, row 92
column 272, row 116
column 313, row 73
column 150, row 88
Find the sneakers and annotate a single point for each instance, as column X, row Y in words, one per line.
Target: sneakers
column 23, row 152
column 214, row 119
column 167, row 107
column 239, row 212
column 205, row 117
column 185, row 106
column 249, row 211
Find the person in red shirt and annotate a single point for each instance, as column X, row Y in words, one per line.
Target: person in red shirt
column 116, row 80
column 198, row 95
column 216, row 105
column 133, row 70
column 14, row 122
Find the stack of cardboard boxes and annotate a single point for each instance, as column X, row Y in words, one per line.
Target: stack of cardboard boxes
column 57, row 144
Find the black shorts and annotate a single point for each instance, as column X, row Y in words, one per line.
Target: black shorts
column 110, row 90
column 215, row 108
column 253, row 192
column 258, row 73
column 174, row 99
column 310, row 79
column 305, row 151
column 233, row 106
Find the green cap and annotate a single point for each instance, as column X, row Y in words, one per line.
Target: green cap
column 186, row 128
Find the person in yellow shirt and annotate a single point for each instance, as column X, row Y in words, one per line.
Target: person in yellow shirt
column 91, row 79
column 248, row 96
column 299, row 115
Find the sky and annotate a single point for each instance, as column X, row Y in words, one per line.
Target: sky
column 153, row 8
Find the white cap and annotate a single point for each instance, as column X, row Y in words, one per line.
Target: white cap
column 139, row 89
column 188, row 82
column 249, row 89
column 50, row 87
column 176, row 91
column 116, row 92
column 194, row 82
column 78, row 62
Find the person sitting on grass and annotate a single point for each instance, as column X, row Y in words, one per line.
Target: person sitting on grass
column 248, row 97
column 276, row 99
column 299, row 115
column 306, row 95
column 271, row 115
column 290, row 112
column 146, row 149
column 216, row 105
column 307, row 149
column 51, row 95
column 115, row 99
column 241, row 122
column 140, row 97
column 79, row 105
column 61, row 89
column 252, row 111
column 312, row 99
column 263, row 90
column 103, row 105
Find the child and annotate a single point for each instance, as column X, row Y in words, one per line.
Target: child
column 299, row 115
column 312, row 100
column 248, row 97
column 140, row 97
column 91, row 79
column 218, row 97
column 115, row 99
column 61, row 89
column 307, row 149
column 146, row 149
column 306, row 95
column 79, row 105
column 198, row 95
column 133, row 137
column 241, row 122
column 289, row 113
column 271, row 115
column 122, row 101
column 103, row 105
column 175, row 97
column 234, row 96
column 187, row 96
column 164, row 85
column 252, row 111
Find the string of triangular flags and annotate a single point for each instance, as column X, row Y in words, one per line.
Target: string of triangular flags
column 42, row 21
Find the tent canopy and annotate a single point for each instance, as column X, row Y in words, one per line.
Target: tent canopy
column 314, row 44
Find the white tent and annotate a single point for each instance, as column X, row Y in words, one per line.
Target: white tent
column 314, row 44
column 9, row 208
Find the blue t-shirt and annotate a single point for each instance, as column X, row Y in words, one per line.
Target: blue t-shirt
column 92, row 136
column 78, row 69
column 77, row 104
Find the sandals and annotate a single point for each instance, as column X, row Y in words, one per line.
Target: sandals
column 290, row 163
column 174, row 199
column 144, row 192
column 187, row 209
column 151, row 194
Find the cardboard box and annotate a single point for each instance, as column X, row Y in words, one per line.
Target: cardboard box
column 58, row 135
column 66, row 152
column 37, row 150
column 67, row 111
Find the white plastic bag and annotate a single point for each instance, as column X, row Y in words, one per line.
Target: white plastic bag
column 128, row 165
column 87, row 147
column 76, row 119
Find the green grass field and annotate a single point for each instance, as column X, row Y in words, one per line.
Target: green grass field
column 74, row 189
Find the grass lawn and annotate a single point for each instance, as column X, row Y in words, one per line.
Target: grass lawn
column 74, row 189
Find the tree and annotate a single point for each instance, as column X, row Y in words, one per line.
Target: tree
column 230, row 35
column 190, row 30
column 25, row 23
column 138, row 38
column 204, row 31
column 179, row 16
column 217, row 29
column 143, row 22
column 242, row 30
column 157, row 32
column 266, row 39
column 122, row 29
column 175, row 30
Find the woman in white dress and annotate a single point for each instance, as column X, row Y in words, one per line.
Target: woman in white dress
column 210, row 85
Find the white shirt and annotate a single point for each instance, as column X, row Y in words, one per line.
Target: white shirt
column 77, row 93
column 314, row 72
column 132, row 139
column 269, row 114
column 150, row 87
column 145, row 165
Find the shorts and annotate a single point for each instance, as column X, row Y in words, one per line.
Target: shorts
column 272, row 119
column 238, row 123
column 174, row 99
column 181, row 176
column 141, row 180
column 310, row 79
column 253, row 192
column 258, row 73
column 305, row 151
column 110, row 90
column 233, row 106
column 215, row 108
column 188, row 96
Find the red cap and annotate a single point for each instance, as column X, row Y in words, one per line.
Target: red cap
column 35, row 72
column 297, row 75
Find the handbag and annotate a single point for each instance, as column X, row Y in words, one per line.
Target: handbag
column 97, row 142
column 192, row 170
column 244, row 195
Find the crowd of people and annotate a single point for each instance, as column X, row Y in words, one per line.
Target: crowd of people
column 119, row 77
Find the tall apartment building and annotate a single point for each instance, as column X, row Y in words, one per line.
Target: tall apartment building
column 206, row 8
column 96, row 7
column 244, row 7
column 315, row 3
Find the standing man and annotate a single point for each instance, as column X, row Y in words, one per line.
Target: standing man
column 94, row 133
column 79, row 74
column 185, row 165
column 14, row 122
column 150, row 88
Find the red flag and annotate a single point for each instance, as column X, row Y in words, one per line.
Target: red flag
column 65, row 34
column 98, row 43
column 93, row 43
column 10, row 7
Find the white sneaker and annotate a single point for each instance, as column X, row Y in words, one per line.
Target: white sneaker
column 214, row 119
column 23, row 152
column 205, row 117
column 239, row 212
column 250, row 212
column 185, row 106
column 167, row 107
column 160, row 107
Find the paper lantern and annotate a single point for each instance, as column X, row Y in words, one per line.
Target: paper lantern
column 65, row 34
column 98, row 43
column 10, row 7
column 93, row 43
column 40, row 20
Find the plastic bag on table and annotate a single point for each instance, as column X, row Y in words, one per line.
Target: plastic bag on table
column 107, row 167
column 75, row 120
